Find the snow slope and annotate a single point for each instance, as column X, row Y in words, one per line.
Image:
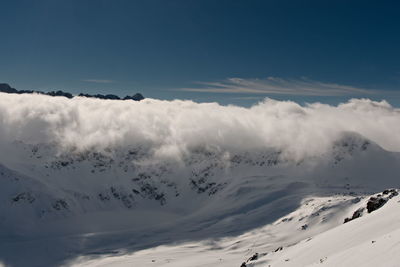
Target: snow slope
column 372, row 240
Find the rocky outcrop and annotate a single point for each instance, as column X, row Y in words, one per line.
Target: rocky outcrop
column 357, row 214
column 374, row 203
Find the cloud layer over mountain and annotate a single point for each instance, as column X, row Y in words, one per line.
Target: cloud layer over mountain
column 171, row 127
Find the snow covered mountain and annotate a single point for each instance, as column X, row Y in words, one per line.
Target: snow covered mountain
column 130, row 203
column 115, row 204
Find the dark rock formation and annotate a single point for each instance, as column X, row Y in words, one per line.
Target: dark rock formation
column 357, row 214
column 253, row 258
column 60, row 204
column 60, row 93
column 375, row 203
column 25, row 196
column 136, row 97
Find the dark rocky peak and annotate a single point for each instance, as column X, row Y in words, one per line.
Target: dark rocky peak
column 60, row 93
column 5, row 88
column 351, row 141
column 136, row 97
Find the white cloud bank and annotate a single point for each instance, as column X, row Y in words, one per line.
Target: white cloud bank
column 170, row 127
column 278, row 86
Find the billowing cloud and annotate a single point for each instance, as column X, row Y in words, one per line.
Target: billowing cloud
column 278, row 86
column 171, row 127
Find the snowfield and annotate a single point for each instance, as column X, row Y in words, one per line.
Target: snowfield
column 88, row 182
column 372, row 240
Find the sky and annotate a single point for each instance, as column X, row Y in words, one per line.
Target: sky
column 231, row 52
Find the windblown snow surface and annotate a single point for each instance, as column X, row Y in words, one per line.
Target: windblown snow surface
column 89, row 182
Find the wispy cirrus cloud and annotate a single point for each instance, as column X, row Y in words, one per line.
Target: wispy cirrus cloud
column 279, row 86
column 98, row 81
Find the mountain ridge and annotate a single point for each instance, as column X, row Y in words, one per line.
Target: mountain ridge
column 6, row 88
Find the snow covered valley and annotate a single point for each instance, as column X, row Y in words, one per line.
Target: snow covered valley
column 71, row 197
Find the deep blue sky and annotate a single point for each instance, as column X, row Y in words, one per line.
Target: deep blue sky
column 159, row 47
